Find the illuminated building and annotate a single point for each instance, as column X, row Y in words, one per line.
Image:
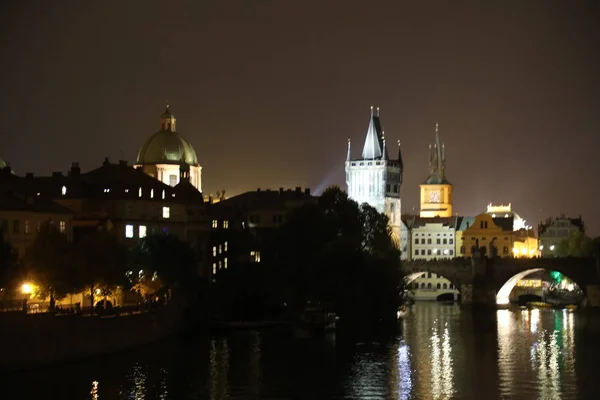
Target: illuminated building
column 433, row 238
column 505, row 211
column 436, row 191
column 243, row 228
column 555, row 230
column 166, row 152
column 496, row 237
column 431, row 286
column 465, row 222
column 374, row 178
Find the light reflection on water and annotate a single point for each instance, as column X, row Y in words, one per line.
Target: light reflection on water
column 443, row 353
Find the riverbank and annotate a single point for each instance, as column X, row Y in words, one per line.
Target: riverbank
column 32, row 340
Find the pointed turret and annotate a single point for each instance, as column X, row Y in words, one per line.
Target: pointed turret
column 348, row 154
column 373, row 148
column 437, row 161
column 400, row 157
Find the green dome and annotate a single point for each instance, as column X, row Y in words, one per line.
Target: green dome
column 2, row 163
column 167, row 147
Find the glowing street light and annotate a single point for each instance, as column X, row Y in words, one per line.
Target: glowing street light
column 27, row 288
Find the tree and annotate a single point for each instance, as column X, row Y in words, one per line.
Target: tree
column 8, row 264
column 578, row 244
column 101, row 263
column 336, row 252
column 49, row 263
column 167, row 258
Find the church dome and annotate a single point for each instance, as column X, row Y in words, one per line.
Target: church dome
column 2, row 163
column 167, row 146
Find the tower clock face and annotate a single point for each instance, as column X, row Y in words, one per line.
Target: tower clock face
column 434, row 196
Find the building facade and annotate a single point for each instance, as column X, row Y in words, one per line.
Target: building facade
column 496, row 237
column 374, row 178
column 166, row 153
column 436, row 191
column 434, row 238
column 554, row 230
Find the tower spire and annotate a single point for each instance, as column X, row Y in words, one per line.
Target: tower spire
column 373, row 148
column 348, row 154
column 400, row 157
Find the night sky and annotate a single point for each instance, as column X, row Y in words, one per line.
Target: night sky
column 269, row 91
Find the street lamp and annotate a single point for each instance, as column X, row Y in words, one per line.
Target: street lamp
column 27, row 288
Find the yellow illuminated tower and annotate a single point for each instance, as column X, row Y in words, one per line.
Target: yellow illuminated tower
column 436, row 191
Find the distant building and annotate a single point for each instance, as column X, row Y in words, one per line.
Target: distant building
column 465, row 222
column 505, row 211
column 432, row 287
column 243, row 227
column 554, row 230
column 166, row 152
column 23, row 215
column 496, row 237
column 433, row 238
column 374, row 178
column 436, row 191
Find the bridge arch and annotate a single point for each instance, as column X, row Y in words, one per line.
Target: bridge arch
column 411, row 277
column 503, row 294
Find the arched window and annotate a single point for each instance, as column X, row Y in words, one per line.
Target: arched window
column 429, row 285
column 439, row 286
column 416, row 285
column 445, row 286
column 423, row 285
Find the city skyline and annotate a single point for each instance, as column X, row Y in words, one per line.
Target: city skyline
column 269, row 103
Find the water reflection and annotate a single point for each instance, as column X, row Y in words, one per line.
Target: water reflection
column 219, row 368
column 546, row 338
column 94, row 391
column 441, row 362
column 404, row 371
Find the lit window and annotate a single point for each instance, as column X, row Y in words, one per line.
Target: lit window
column 255, row 256
column 63, row 190
column 151, row 193
column 214, row 251
column 62, row 226
column 225, row 224
column 225, row 261
column 214, row 268
column 220, row 264
column 220, row 249
column 126, row 190
column 27, row 227
column 163, row 194
column 225, row 246
column 140, row 192
column 214, row 223
column 128, row 231
column 166, row 212
column 142, row 231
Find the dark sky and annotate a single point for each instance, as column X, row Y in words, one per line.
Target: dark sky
column 269, row 91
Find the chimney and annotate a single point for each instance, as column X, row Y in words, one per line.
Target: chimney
column 307, row 191
column 258, row 190
column 75, row 170
column 105, row 161
column 280, row 190
column 298, row 189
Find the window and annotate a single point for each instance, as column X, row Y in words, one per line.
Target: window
column 445, row 286
column 63, row 190
column 16, row 226
column 423, row 241
column 462, row 249
column 225, row 261
column 220, row 264
column 214, row 251
column 220, row 249
column 151, row 193
column 505, row 250
column 416, row 252
column 140, row 192
column 387, row 187
column 142, row 231
column 214, row 268
column 255, row 256
column 416, row 240
column 429, row 285
column 438, row 286
column 27, row 227
column 437, row 241
column 166, row 212
column 129, row 231
column 225, row 246
column 423, row 285
column 422, row 252
column 428, row 252
column 225, row 224
column 451, row 252
column 62, row 226
column 450, row 241
column 214, row 223
column 429, row 274
column 163, row 194
column 172, row 180
column 445, row 241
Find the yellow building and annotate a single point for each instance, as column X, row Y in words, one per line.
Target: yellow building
column 489, row 236
column 436, row 191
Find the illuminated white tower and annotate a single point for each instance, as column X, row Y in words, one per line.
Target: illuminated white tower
column 374, row 178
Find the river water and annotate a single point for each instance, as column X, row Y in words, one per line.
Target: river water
column 442, row 352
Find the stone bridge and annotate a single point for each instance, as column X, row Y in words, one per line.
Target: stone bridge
column 484, row 281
